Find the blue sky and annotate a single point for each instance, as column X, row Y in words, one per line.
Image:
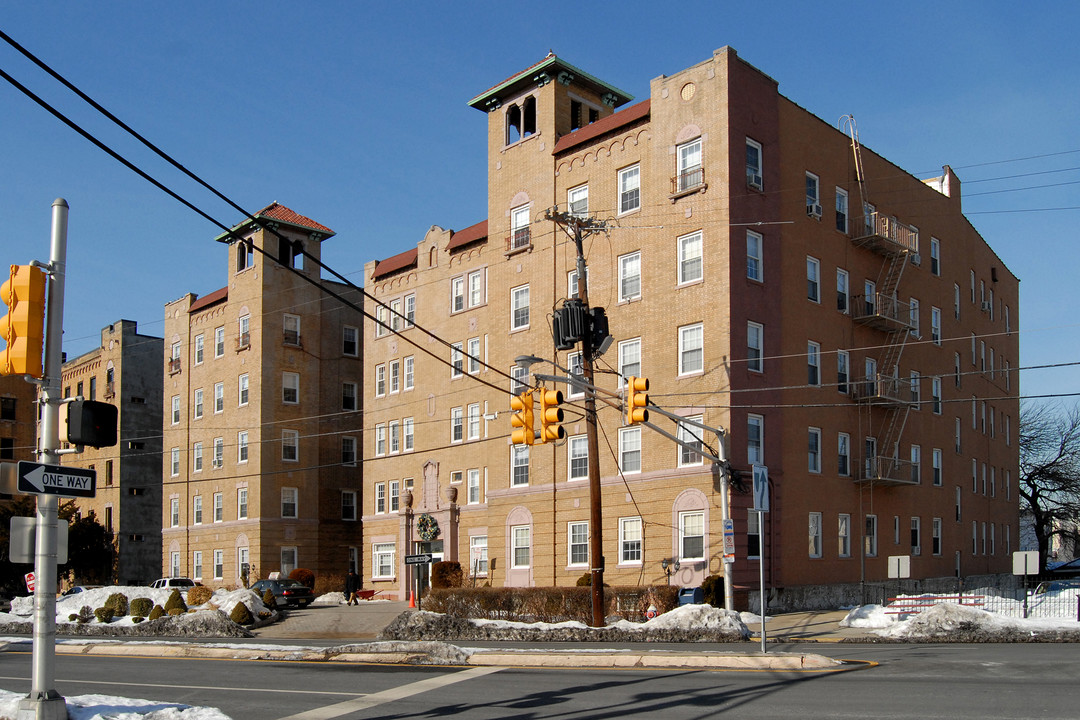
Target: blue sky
column 356, row 116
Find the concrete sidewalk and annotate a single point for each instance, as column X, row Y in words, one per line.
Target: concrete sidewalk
column 808, row 626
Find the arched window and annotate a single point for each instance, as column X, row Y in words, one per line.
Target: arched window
column 528, row 120
column 513, row 124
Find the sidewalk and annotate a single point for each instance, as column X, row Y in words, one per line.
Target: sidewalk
column 808, row 626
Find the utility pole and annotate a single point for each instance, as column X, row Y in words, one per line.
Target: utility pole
column 579, row 228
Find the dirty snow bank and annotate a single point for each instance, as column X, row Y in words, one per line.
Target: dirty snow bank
column 949, row 622
column 99, row 707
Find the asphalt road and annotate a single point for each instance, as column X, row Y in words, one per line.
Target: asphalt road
column 925, row 681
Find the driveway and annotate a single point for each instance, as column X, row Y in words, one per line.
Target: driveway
column 358, row 622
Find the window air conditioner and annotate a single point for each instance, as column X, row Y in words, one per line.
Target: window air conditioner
column 916, row 259
column 986, row 306
column 814, row 211
column 753, row 181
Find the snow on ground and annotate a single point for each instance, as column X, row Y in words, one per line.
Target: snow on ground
column 107, row 707
column 948, row 617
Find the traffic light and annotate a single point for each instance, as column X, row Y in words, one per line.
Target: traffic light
column 551, row 415
column 523, row 419
column 86, row 422
column 23, row 328
column 636, row 400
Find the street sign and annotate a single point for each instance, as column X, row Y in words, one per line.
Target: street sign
column 22, row 547
column 30, row 580
column 418, row 559
column 1026, row 562
column 729, row 540
column 899, row 567
column 761, row 488
column 39, row 479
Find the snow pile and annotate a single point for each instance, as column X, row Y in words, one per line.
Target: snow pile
column 331, row 598
column 100, row 707
column 949, row 622
column 693, row 618
column 868, row 616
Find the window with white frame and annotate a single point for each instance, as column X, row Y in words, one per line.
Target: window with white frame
column 290, row 445
column 242, row 446
column 956, row 301
column 629, row 276
column 241, row 503
column 383, row 560
column 935, row 394
column 755, row 338
column 472, row 486
column 394, row 431
column 841, row 210
column 396, row 318
column 814, row 534
column 291, row 329
column 382, row 321
column 477, row 290
column 690, row 258
column 410, row 310
column 219, row 452
column 842, row 291
column 755, row 439
column 754, row 174
column 196, row 565
column 577, row 201
column 395, row 376
column 380, row 440
column 935, row 256
column 572, row 283
column 517, row 379
column 219, row 398
column 754, row 267
column 409, row 373
column 380, row 498
column 380, row 380
column 176, row 410
column 348, row 451
column 174, row 564
column 243, row 390
column 691, row 349
column 690, row 436
column 174, row 462
column 196, row 457
column 219, row 564
column 935, row 533
column 691, row 174
column 935, row 325
column 916, row 464
column 843, row 370
column 843, row 534
column 199, row 349
column 913, row 317
column 174, row 512
column 457, row 425
column 692, row 535
column 630, row 540
column 219, row 507
column 197, row 405
column 629, row 189
column 813, row 445
column 290, row 388
column 519, row 228
column 753, row 535
column 813, row 279
column 478, row 554
column 457, row 360
column 813, row 363
column 474, row 355
column 519, row 307
column 914, row 387
column 289, row 499
column 577, row 449
column 457, row 294
column 407, row 434
column 843, row 454
column 474, row 421
column 871, row 544
column 577, row 544
column 395, row 495
column 813, row 195
column 936, row 463
column 916, row 532
column 630, row 449
column 219, row 342
column 629, row 358
column 350, row 341
column 520, row 546
column 348, row 396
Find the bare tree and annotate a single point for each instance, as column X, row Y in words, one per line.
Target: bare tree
column 1049, row 469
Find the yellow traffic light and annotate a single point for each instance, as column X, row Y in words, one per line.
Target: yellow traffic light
column 636, row 400
column 523, row 419
column 550, row 416
column 23, row 328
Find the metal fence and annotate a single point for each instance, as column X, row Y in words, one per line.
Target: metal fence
column 1008, row 596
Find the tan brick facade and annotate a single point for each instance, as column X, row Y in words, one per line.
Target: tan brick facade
column 728, row 231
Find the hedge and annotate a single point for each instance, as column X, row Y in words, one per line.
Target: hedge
column 548, row 604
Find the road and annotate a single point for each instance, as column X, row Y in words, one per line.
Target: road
column 926, row 681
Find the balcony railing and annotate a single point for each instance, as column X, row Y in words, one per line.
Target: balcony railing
column 243, row 342
column 879, row 389
column 887, row 471
column 884, row 234
column 290, row 337
column 688, row 180
column 520, row 238
column 174, row 366
column 883, row 312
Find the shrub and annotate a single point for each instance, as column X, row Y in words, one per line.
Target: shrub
column 712, row 590
column 85, row 615
column 73, row 617
column 175, row 602
column 173, row 612
column 141, row 606
column 241, row 615
column 548, row 604
column 137, row 619
column 156, row 612
column 446, row 574
column 104, row 614
column 263, row 614
column 329, row 583
column 585, row 580
column 119, row 604
column 199, row 595
column 269, row 600
column 303, row 575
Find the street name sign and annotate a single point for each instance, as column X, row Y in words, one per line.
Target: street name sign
column 418, row 559
column 40, row 479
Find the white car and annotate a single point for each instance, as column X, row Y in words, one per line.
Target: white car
column 180, row 583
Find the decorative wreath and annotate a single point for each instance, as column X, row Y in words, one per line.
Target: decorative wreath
column 427, row 527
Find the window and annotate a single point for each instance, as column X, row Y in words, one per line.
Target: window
column 630, row 540
column 935, row 325
column 176, row 409
column 914, row 387
column 842, row 303
column 843, row 454
column 519, row 228
column 813, row 279
column 813, row 196
column 691, row 174
column 174, row 512
column 242, row 446
column 348, row 396
column 754, row 269
column 916, row 464
column 409, row 372
column 348, row 451
column 243, row 333
column 380, row 498
column 174, row 564
column 380, row 440
column 957, row 375
column 869, row 297
column 457, row 425
column 935, row 394
column 630, row 449
column 841, row 210
column 913, row 317
column 382, row 325
column 843, row 534
column 814, row 534
column 219, row 452
column 196, row 459
column 242, row 390
column 520, row 546
column 478, row 552
column 935, row 531
column 956, row 301
column 291, row 329
column 457, row 360
column 754, row 339
column 956, row 436
column 578, row 451
column 519, row 465
column 288, row 502
column 380, row 380
column 219, row 342
column 629, row 189
column 175, row 462
column 219, row 564
column 517, row 379
column 395, row 436
column 843, row 362
column 936, row 462
column 916, row 531
column 383, row 560
column 572, row 283
column 753, row 535
column 813, row 448
column 629, row 276
column 753, row 165
column 407, row 434
column 196, row 510
column 690, row 258
column 241, row 503
column 290, row 445
column 472, row 486
column 395, row 315
column 519, row 308
column 350, row 341
column 457, row 294
column 196, row 564
column 690, row 452
column 755, row 437
column 395, row 495
column 290, row 388
column 813, row 363
column 871, row 535
column 477, row 295
column 395, row 376
column 219, row 507
column 692, row 535
column 577, row 201
column 474, row 356
column 219, row 398
column 629, row 358
column 691, row 349
column 199, row 350
column 935, row 256
column 474, row 421
column 578, row 543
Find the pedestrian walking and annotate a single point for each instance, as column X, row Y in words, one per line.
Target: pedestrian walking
column 352, row 585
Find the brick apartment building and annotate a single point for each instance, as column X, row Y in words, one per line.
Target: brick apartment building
column 123, row 371
column 18, row 419
column 857, row 338
column 261, row 427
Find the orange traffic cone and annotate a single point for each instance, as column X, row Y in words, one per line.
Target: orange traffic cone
column 412, row 600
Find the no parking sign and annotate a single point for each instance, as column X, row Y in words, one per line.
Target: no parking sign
column 29, row 577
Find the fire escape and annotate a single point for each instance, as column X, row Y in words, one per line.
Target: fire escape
column 883, row 396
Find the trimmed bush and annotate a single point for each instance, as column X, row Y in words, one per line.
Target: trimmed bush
column 175, row 602
column 263, row 614
column 269, row 600
column 446, row 574
column 199, row 595
column 585, row 580
column 303, row 575
column 119, row 604
column 104, row 614
column 156, row 612
column 141, row 606
column 329, row 583
column 241, row 615
column 173, row 612
column 548, row 604
column 712, row 590
column 86, row 614
column 137, row 619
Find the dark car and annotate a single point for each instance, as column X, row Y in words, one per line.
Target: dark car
column 291, row 592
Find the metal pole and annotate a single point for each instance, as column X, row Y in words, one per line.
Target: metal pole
column 761, row 574
column 725, row 515
column 43, row 702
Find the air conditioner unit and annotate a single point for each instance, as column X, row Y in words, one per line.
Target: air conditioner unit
column 916, row 550
column 753, row 181
column 986, row 306
column 916, row 259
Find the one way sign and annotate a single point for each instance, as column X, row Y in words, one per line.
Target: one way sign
column 56, row 480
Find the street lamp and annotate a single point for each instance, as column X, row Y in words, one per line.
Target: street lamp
column 668, row 566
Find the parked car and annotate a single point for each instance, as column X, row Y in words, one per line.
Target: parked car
column 291, row 592
column 180, row 583
column 75, row 590
column 1057, row 586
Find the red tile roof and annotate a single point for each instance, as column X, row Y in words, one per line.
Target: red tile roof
column 208, row 300
column 395, row 263
column 612, row 122
column 468, row 235
column 549, row 56
column 280, row 213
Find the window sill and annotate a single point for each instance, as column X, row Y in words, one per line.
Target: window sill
column 518, row 251
column 689, row 191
